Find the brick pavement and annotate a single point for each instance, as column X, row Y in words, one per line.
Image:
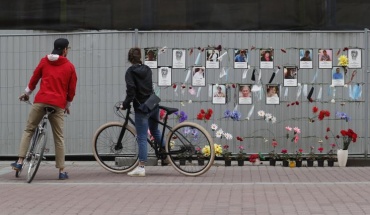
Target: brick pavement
column 222, row 190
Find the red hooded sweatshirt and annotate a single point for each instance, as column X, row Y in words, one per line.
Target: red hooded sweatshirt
column 58, row 81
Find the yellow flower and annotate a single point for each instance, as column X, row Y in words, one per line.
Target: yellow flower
column 343, row 60
column 218, row 150
column 206, row 150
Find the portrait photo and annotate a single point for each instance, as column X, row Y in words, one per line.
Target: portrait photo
column 245, row 94
column 212, row 58
column 199, row 76
column 219, row 94
column 164, row 76
column 337, row 75
column 240, row 58
column 305, row 59
column 150, row 58
column 354, row 58
column 290, row 76
column 272, row 94
column 325, row 58
column 178, row 58
column 266, row 58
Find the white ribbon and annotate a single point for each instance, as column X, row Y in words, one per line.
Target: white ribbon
column 222, row 72
column 198, row 59
column 259, row 76
column 305, row 90
column 245, row 72
column 236, row 107
column 175, row 91
column 187, row 75
column 276, row 71
column 220, row 58
column 286, row 93
column 299, row 91
column 250, row 112
column 198, row 92
column 209, row 90
column 162, row 50
column 314, row 77
column 319, row 95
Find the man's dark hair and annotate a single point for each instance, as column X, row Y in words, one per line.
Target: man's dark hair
column 134, row 56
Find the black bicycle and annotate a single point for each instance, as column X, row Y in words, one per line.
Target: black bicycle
column 115, row 146
column 37, row 148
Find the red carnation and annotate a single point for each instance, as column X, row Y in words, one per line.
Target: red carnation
column 174, row 86
column 326, row 137
column 327, row 129
column 297, row 102
column 200, row 116
column 202, row 111
column 315, row 109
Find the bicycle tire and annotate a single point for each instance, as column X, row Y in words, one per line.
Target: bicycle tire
column 195, row 136
column 104, row 141
column 27, row 159
column 36, row 156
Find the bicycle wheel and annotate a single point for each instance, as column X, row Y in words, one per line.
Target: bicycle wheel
column 36, row 155
column 104, row 142
column 183, row 141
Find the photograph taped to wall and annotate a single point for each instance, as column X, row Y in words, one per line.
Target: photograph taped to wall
column 178, row 58
column 354, row 58
column 151, row 58
column 164, row 76
column 266, row 58
column 325, row 58
column 212, row 58
column 198, row 76
column 305, row 58
column 337, row 75
column 272, row 94
column 290, row 74
column 244, row 94
column 219, row 94
column 240, row 58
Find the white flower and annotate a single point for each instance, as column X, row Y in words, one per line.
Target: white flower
column 273, row 119
column 346, row 85
column 332, row 101
column 172, row 144
column 247, row 118
column 190, row 101
column 214, row 127
column 332, row 86
column 219, row 133
column 268, row 116
column 261, row 113
column 228, row 136
column 182, row 104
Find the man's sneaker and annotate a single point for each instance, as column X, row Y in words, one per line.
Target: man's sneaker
column 63, row 176
column 16, row 166
column 138, row 171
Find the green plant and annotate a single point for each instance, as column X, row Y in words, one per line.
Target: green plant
column 226, row 153
column 331, row 153
column 311, row 155
column 284, row 154
column 241, row 154
column 298, row 155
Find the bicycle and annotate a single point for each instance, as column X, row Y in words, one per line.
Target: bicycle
column 115, row 147
column 37, row 147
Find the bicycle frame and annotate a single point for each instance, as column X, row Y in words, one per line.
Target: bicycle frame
column 154, row 144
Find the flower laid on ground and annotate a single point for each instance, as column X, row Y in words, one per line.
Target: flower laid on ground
column 296, row 131
column 241, row 154
column 267, row 116
column 343, row 60
column 253, row 158
column 273, row 154
column 181, row 116
column 226, row 153
column 343, row 115
column 348, row 136
column 235, row 115
column 205, row 115
column 320, row 115
column 312, row 155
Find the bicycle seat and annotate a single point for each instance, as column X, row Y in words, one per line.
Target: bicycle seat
column 169, row 110
column 49, row 109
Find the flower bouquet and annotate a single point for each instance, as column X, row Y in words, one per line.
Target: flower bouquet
column 348, row 136
column 254, row 158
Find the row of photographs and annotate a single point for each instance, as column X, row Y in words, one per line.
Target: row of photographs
column 325, row 58
column 244, row 94
column 290, row 76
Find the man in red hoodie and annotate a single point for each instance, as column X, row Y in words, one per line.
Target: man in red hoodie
column 57, row 90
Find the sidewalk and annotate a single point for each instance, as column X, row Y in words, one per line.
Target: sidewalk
column 222, row 190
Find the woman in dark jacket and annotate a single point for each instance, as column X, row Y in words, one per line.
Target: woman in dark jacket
column 139, row 86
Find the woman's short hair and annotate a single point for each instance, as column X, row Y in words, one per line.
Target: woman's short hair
column 134, row 56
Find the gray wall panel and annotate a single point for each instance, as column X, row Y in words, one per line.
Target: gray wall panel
column 101, row 61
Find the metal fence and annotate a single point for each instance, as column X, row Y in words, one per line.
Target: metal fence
column 100, row 59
